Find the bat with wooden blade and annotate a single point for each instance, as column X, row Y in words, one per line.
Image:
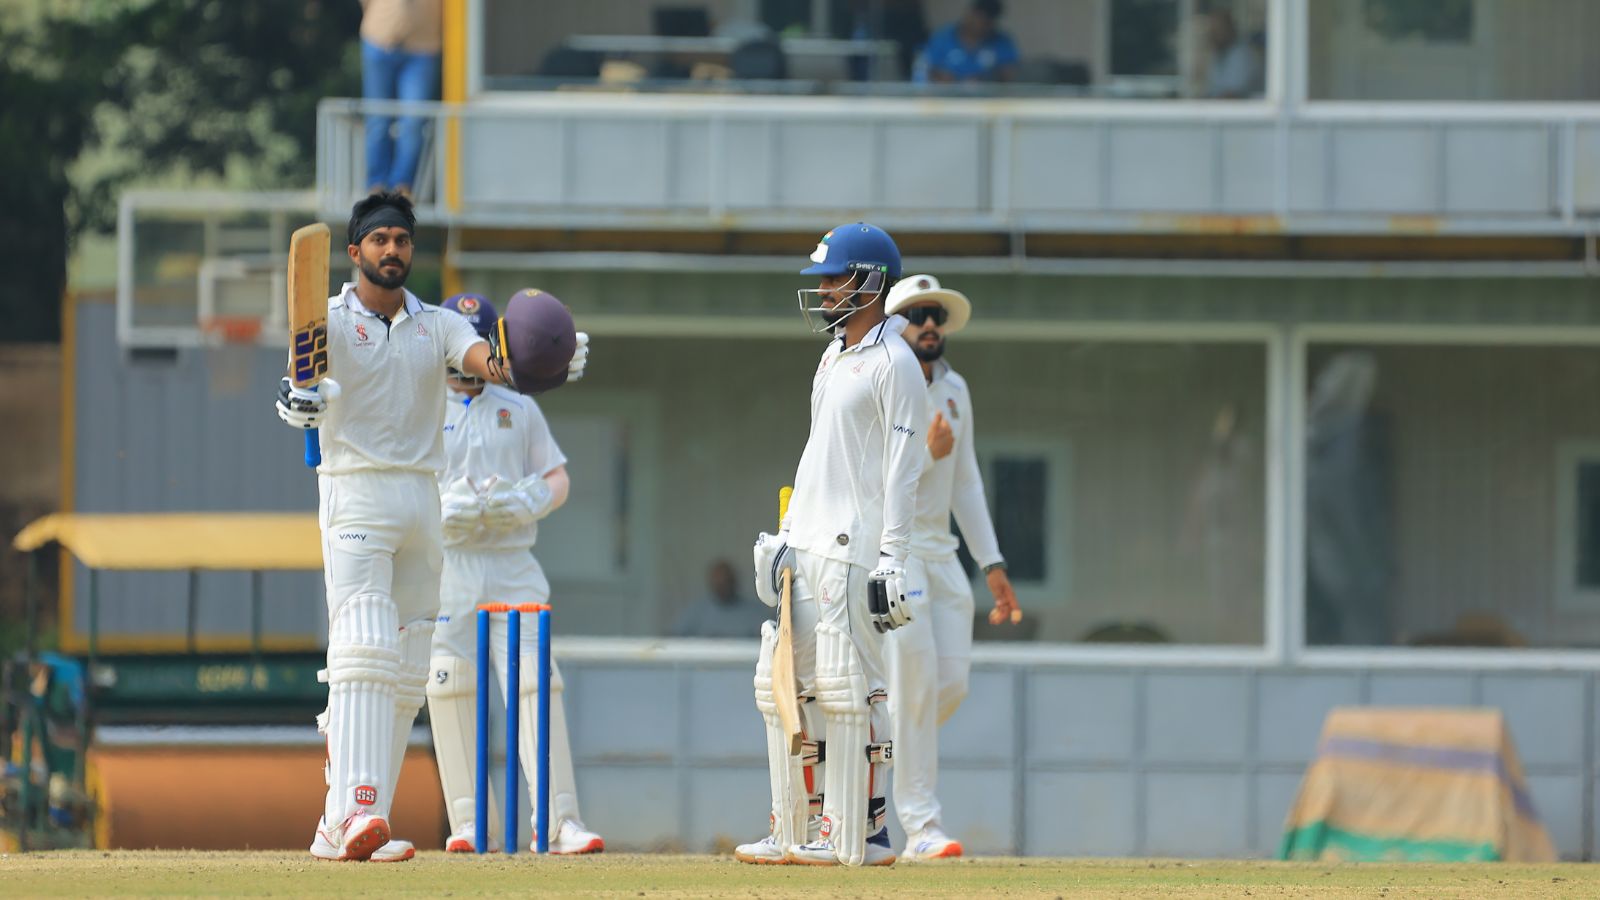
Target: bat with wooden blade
column 309, row 249
column 785, row 688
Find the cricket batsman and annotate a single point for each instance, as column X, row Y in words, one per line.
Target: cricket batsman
column 503, row 474
column 847, row 536
column 382, row 445
column 930, row 658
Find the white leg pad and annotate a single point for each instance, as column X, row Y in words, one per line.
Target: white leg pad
column 410, row 693
column 563, row 782
column 363, row 664
column 842, row 697
column 452, row 709
column 790, row 808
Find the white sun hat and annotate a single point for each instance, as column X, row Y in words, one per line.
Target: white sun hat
column 914, row 289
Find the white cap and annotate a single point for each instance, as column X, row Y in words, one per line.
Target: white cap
column 914, row 289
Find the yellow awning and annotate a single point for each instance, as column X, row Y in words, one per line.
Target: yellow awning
column 150, row 541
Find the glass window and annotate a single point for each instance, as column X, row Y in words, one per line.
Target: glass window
column 1453, row 50
column 1452, row 496
column 1127, row 484
column 1113, row 48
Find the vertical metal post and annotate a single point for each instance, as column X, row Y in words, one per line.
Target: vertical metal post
column 193, row 604
column 31, row 599
column 481, row 806
column 513, row 691
column 255, row 615
column 542, row 807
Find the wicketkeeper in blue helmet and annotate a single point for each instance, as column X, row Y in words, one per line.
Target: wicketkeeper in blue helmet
column 846, row 538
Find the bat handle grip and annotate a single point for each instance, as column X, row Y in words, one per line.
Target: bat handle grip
column 313, row 449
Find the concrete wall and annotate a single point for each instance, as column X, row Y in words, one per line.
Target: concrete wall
column 1061, row 760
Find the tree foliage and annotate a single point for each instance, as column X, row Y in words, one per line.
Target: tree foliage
column 148, row 88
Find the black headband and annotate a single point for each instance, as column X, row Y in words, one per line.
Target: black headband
column 380, row 217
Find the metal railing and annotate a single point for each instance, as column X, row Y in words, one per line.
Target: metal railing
column 656, row 161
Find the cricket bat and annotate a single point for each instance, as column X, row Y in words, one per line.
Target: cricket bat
column 309, row 248
column 785, row 689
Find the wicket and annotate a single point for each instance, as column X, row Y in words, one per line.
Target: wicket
column 541, row 787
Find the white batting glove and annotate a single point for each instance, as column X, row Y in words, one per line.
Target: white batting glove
column 886, row 595
column 510, row 506
column 772, row 556
column 580, row 358
column 305, row 407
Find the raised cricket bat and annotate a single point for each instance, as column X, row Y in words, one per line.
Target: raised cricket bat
column 309, row 248
column 785, row 689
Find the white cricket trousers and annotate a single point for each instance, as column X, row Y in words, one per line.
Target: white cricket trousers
column 928, row 661
column 473, row 577
column 381, row 555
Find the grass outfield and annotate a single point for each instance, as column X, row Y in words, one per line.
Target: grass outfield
column 264, row 874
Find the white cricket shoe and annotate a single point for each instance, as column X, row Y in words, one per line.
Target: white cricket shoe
column 355, row 840
column 572, row 839
column 821, row 853
column 465, row 840
column 931, row 843
column 396, row 850
column 764, row 852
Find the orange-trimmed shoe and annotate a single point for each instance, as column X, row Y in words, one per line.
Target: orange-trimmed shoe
column 931, row 844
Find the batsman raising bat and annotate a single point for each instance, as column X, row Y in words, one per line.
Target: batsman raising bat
column 846, row 538
column 383, row 356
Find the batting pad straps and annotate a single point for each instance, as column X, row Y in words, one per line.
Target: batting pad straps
column 357, row 662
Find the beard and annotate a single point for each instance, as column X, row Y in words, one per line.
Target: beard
column 926, row 353
column 835, row 315
column 375, row 274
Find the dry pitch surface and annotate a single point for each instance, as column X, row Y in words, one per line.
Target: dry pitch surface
column 263, row 874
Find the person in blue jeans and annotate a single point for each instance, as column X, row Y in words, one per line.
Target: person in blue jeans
column 400, row 45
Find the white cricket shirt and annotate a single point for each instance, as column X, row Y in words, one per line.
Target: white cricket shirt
column 500, row 433
column 390, row 410
column 855, row 490
column 954, row 483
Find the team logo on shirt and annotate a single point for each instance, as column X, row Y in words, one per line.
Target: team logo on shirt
column 361, row 333
column 951, row 401
column 503, row 417
column 421, row 331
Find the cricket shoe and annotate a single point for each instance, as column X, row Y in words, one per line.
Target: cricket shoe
column 765, row 852
column 465, row 840
column 572, row 839
column 821, row 853
column 931, row 843
column 396, row 850
column 356, row 840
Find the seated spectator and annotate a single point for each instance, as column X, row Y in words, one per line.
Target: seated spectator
column 1236, row 70
column 726, row 613
column 973, row 48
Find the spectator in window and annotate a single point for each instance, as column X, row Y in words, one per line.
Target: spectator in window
column 973, row 48
column 400, row 45
column 1235, row 72
column 725, row 613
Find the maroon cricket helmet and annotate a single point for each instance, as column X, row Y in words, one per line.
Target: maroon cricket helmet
column 540, row 339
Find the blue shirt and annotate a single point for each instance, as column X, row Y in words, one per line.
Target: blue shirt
column 946, row 53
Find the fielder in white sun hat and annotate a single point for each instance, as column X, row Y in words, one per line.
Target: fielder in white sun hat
column 914, row 289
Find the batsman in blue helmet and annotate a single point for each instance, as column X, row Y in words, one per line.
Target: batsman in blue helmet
column 846, row 538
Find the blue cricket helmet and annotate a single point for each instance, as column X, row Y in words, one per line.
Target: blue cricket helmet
column 477, row 310
column 855, row 247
